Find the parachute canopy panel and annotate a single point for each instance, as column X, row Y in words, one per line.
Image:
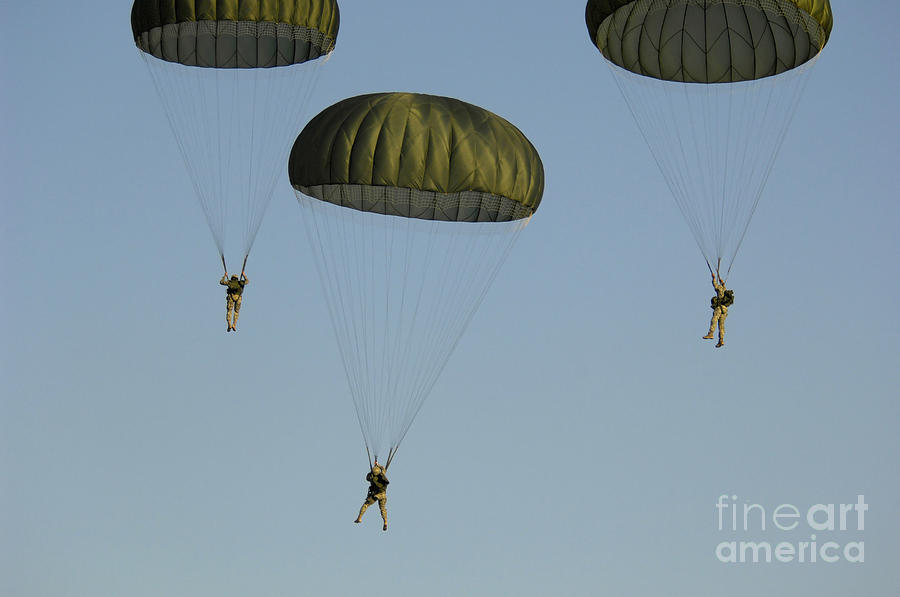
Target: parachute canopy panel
column 235, row 33
column 418, row 156
column 709, row 41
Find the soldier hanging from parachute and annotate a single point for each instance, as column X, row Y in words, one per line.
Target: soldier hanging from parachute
column 713, row 86
column 378, row 483
column 442, row 188
column 234, row 79
column 723, row 299
column 233, row 294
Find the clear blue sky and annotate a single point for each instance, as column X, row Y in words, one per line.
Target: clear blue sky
column 581, row 434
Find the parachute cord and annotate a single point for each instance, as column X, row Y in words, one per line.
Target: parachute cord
column 391, row 454
column 244, row 266
column 222, row 255
column 369, row 455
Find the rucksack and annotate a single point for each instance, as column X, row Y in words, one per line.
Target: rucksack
column 728, row 299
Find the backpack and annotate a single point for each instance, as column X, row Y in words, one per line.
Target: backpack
column 728, row 299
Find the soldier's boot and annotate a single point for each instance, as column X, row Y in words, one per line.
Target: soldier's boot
column 720, row 344
column 384, row 528
column 708, row 336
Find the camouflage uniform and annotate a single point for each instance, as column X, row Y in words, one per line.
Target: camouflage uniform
column 720, row 312
column 378, row 483
column 233, row 297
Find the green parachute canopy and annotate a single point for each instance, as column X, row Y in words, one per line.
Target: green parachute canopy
column 411, row 203
column 709, row 41
column 456, row 161
column 235, row 33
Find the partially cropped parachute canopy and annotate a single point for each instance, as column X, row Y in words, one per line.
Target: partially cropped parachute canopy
column 235, row 33
column 709, row 41
column 418, row 156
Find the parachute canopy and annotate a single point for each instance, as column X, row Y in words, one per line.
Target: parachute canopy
column 709, row 41
column 457, row 161
column 235, row 33
column 713, row 86
column 234, row 77
column 411, row 203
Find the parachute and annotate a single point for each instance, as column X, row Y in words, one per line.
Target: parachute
column 233, row 78
column 411, row 204
column 713, row 86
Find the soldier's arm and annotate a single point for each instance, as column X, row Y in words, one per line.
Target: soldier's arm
column 245, row 278
column 224, row 280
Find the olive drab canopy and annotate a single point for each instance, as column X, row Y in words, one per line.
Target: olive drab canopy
column 234, row 77
column 411, row 204
column 437, row 148
column 235, row 33
column 709, row 41
column 713, row 86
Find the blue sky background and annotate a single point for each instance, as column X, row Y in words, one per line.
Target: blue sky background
column 581, row 434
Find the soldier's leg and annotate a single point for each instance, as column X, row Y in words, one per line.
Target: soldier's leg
column 369, row 501
column 722, row 329
column 382, row 505
column 229, row 306
column 712, row 325
column 237, row 310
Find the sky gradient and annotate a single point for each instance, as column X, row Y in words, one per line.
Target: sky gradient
column 581, row 434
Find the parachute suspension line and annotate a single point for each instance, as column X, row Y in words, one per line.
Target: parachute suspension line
column 280, row 95
column 233, row 128
column 175, row 89
column 715, row 145
column 225, row 267
column 795, row 81
column 316, row 233
column 641, row 94
column 248, row 157
column 293, row 85
column 400, row 292
column 222, row 156
column 475, row 286
column 722, row 191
